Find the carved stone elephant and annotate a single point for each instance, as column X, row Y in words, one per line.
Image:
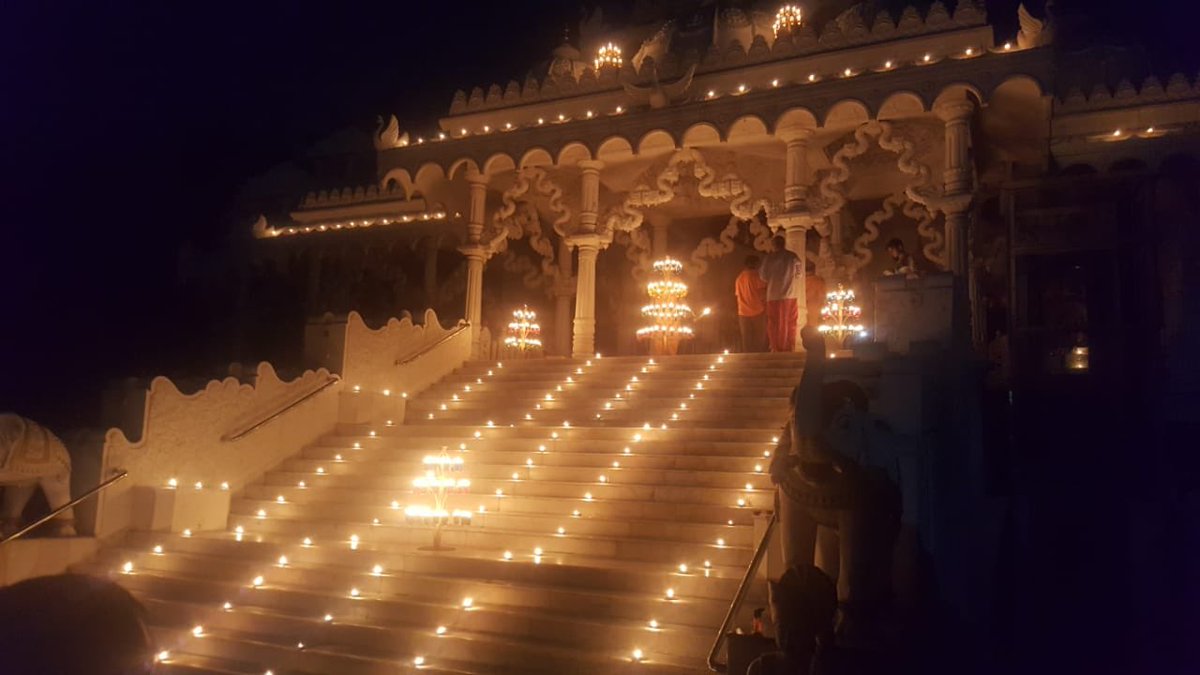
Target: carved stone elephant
column 32, row 456
column 836, row 510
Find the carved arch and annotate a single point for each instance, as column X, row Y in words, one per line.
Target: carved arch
column 517, row 218
column 830, row 198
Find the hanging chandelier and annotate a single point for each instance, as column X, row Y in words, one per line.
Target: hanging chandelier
column 608, row 55
column 787, row 19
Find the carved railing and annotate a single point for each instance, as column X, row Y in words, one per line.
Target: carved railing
column 425, row 349
column 246, row 429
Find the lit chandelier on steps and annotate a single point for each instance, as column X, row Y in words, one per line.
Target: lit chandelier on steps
column 840, row 316
column 668, row 312
column 524, row 333
column 440, row 479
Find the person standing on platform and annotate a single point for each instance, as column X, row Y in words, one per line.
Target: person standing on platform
column 780, row 270
column 903, row 264
column 750, row 291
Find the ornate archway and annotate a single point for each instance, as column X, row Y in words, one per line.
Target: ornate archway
column 829, row 199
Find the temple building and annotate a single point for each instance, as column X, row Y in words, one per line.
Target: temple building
column 557, row 461
column 700, row 134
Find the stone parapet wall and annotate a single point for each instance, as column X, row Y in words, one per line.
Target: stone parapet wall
column 228, row 434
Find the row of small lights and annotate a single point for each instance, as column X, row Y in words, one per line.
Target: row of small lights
column 637, row 654
column 353, row 224
column 623, row 395
column 711, row 94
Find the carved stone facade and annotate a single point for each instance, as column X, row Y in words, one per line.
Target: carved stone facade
column 842, row 135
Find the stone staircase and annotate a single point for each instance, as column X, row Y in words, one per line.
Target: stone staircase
column 612, row 507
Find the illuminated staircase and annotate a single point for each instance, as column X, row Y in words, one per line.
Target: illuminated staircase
column 634, row 500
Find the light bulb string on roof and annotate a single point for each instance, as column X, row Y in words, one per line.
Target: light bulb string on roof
column 784, row 22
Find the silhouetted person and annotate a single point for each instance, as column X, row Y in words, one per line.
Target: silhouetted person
column 802, row 603
column 750, row 291
column 72, row 624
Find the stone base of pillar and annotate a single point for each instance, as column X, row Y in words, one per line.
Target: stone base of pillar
column 583, row 341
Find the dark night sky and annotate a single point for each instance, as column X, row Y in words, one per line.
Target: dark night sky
column 129, row 127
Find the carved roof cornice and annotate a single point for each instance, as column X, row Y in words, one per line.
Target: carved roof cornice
column 1125, row 94
column 805, row 41
column 871, row 89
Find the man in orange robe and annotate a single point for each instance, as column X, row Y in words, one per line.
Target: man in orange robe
column 750, row 291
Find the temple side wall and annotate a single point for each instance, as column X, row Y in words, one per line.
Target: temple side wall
column 184, row 437
column 191, row 437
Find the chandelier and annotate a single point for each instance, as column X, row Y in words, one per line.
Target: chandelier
column 608, row 55
column 668, row 314
column 523, row 331
column 787, row 19
column 840, row 317
column 439, row 479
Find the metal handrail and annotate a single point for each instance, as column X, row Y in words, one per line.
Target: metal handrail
column 50, row 516
column 740, row 597
column 462, row 325
column 233, row 436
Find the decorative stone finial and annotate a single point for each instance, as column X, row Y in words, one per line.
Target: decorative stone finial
column 659, row 95
column 388, row 136
column 1034, row 32
column 260, row 228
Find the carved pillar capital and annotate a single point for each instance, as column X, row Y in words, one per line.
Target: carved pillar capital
column 796, row 171
column 586, row 241
column 794, row 134
column 956, row 113
column 954, row 109
column 589, row 194
column 476, row 205
column 475, row 251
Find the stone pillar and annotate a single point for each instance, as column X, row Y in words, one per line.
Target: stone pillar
column 796, row 219
column 476, row 254
column 957, row 179
column 796, row 171
column 957, row 255
column 587, row 242
column 589, row 194
column 563, row 290
column 583, row 343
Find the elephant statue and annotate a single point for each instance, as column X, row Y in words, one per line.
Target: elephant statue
column 32, row 456
column 836, row 510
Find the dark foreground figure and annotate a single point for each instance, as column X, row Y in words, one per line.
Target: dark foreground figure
column 72, row 624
